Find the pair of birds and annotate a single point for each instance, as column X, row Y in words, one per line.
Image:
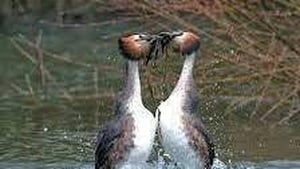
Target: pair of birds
column 129, row 137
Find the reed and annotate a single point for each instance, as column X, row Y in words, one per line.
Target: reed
column 250, row 53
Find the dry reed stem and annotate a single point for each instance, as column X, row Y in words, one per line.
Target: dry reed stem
column 91, row 24
column 95, row 79
column 238, row 102
column 22, row 51
column 47, row 73
column 52, row 55
column 99, row 96
column 18, row 89
column 279, row 103
column 248, row 52
column 291, row 114
column 149, row 86
column 40, row 59
column 264, row 87
column 29, row 86
column 253, row 44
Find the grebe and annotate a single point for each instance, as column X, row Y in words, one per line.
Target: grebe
column 128, row 139
column 184, row 136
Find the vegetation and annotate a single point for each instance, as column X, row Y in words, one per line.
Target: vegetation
column 249, row 65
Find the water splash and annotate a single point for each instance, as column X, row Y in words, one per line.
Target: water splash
column 279, row 164
column 218, row 164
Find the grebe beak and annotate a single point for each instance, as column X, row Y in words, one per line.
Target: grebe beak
column 159, row 43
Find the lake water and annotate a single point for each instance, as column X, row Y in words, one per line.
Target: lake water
column 53, row 125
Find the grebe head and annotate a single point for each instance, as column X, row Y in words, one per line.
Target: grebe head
column 186, row 42
column 146, row 46
column 135, row 46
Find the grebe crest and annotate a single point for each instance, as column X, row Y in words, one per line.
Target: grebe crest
column 135, row 46
column 187, row 43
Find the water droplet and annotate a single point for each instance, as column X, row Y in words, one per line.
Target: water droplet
column 45, row 129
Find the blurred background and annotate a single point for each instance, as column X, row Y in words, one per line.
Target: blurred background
column 61, row 69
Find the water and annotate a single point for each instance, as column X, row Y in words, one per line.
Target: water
column 55, row 126
column 240, row 165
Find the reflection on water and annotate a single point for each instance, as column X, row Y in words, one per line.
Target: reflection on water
column 41, row 132
column 63, row 137
column 240, row 165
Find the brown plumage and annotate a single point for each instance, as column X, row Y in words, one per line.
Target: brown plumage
column 184, row 136
column 134, row 47
column 199, row 139
column 121, row 140
column 187, row 42
column 114, row 142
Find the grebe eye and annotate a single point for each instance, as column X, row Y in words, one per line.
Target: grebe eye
column 176, row 33
column 145, row 37
column 142, row 36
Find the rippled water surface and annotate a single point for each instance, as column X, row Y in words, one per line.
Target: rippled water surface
column 55, row 126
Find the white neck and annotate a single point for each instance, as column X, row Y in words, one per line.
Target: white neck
column 132, row 89
column 186, row 76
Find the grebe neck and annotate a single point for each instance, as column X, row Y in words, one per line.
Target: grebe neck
column 132, row 89
column 186, row 76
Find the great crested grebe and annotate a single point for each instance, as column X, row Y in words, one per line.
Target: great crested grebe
column 128, row 139
column 184, row 136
